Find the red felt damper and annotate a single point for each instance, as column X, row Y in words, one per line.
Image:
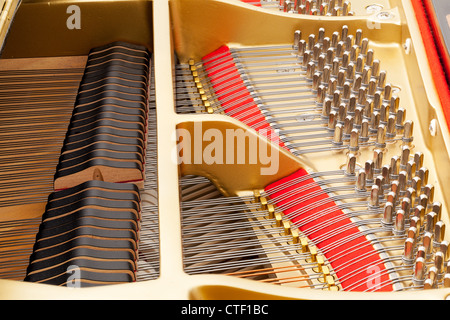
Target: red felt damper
column 235, row 98
column 253, row 2
column 438, row 71
column 357, row 264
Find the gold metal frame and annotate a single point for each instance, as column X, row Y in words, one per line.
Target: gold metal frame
column 191, row 29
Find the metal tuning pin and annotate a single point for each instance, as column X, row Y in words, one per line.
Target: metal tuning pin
column 388, row 216
column 368, row 168
column 419, row 271
column 361, row 181
column 430, row 221
column 354, row 140
column 437, row 207
column 408, row 252
column 338, row 133
column 405, row 205
column 297, row 38
column 427, row 242
column 430, row 281
column 404, row 158
column 408, row 132
column 439, row 233
column 394, row 167
column 399, row 223
column 419, row 212
column 377, row 160
column 351, row 165
column 439, row 264
column 386, row 173
column 374, row 200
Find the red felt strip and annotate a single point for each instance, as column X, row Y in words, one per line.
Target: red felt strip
column 221, row 70
column 349, row 251
column 253, row 2
column 437, row 69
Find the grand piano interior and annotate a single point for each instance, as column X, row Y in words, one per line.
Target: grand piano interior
column 221, row 229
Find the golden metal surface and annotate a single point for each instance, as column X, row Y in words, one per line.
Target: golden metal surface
column 190, row 29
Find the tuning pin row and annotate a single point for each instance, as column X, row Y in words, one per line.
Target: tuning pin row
column 351, row 89
column 316, row 7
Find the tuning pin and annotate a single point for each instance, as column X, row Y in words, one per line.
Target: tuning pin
column 386, row 173
column 301, row 49
column 297, row 38
column 410, row 170
column 423, row 200
column 374, row 197
column 406, row 205
column 415, row 222
column 439, row 264
column 310, row 69
column 384, row 113
column 416, row 184
column 381, row 137
column 423, row 175
column 419, row 271
column 437, row 207
column 411, row 195
column 418, row 159
column 408, row 132
column 365, row 50
column 381, row 81
column 329, row 51
column 408, row 252
column 354, row 140
column 430, row 282
column 399, row 223
column 400, row 119
column 377, row 160
column 427, row 241
column 443, row 247
column 351, row 165
column 394, row 104
column 374, row 120
column 326, row 109
column 311, row 41
column 447, row 280
column 430, row 221
column 341, row 109
column 419, row 211
column 439, row 233
column 394, row 167
column 351, row 108
column 404, row 158
column 395, row 189
column 317, row 79
column 364, row 133
column 332, row 120
column 388, row 216
column 390, row 197
column 379, row 181
column 413, row 233
column 361, row 181
column 368, row 168
column 420, row 252
column 429, row 191
column 402, row 182
column 338, row 131
column 334, row 36
column 390, row 127
column 344, row 32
